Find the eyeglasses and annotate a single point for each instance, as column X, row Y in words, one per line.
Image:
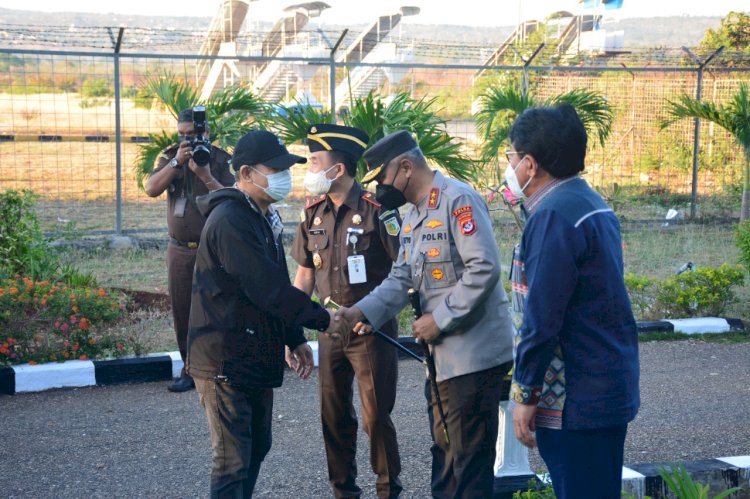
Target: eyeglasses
column 510, row 153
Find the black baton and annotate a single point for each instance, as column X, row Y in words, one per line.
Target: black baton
column 432, row 373
column 380, row 334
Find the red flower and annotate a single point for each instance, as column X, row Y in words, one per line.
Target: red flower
column 84, row 324
column 33, row 362
column 64, row 328
column 83, row 357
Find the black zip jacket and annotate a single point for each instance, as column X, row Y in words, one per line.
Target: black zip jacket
column 244, row 309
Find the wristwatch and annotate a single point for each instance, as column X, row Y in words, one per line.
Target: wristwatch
column 173, row 163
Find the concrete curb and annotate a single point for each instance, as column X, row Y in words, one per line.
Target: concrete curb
column 163, row 366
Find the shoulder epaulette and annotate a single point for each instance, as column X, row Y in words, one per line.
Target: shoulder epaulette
column 315, row 201
column 163, row 154
column 367, row 196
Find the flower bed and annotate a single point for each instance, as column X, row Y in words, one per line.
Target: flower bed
column 42, row 321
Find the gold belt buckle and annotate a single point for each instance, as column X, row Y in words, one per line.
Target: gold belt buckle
column 192, row 245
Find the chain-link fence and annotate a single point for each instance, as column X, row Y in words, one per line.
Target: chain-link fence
column 72, row 116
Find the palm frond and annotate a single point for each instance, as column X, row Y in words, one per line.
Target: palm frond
column 739, row 109
column 593, row 109
column 687, row 107
column 291, row 122
column 500, row 106
column 148, row 154
column 174, row 94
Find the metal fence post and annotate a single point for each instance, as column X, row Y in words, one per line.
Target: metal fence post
column 333, row 75
column 697, row 127
column 118, row 138
column 526, row 64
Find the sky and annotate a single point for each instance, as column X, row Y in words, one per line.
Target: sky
column 465, row 12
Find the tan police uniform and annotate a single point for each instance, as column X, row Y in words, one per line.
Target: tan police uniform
column 326, row 239
column 449, row 254
column 185, row 223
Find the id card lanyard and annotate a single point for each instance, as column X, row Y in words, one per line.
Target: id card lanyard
column 355, row 262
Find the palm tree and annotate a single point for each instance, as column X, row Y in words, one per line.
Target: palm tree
column 734, row 117
column 230, row 113
column 378, row 118
column 500, row 106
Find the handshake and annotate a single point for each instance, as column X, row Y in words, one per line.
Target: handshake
column 345, row 321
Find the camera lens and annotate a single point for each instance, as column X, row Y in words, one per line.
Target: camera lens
column 201, row 155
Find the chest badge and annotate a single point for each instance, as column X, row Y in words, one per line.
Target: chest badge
column 317, row 221
column 317, row 260
column 407, row 229
column 433, row 224
column 437, row 274
column 356, row 219
column 433, row 252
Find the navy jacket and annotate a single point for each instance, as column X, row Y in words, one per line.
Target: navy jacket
column 571, row 253
column 244, row 308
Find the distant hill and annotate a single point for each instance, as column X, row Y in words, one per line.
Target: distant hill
column 639, row 32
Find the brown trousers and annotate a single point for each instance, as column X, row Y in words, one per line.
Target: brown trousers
column 463, row 466
column 375, row 365
column 180, row 263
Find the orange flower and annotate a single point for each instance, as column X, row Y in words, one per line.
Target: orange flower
column 74, row 309
column 84, row 324
column 14, row 291
column 92, row 341
column 102, row 293
column 83, row 357
column 33, row 362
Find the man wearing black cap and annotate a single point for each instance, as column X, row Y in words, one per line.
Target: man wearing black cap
column 244, row 310
column 345, row 246
column 450, row 257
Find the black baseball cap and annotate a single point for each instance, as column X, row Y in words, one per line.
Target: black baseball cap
column 262, row 147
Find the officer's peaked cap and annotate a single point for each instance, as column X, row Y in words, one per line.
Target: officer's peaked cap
column 383, row 151
column 326, row 137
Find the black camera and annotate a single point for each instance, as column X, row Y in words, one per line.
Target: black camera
column 199, row 144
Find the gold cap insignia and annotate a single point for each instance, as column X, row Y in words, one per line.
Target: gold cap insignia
column 357, row 219
column 317, row 221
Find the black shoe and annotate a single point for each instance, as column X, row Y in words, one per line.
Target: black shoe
column 182, row 384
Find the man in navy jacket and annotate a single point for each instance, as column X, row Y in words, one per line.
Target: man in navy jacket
column 575, row 381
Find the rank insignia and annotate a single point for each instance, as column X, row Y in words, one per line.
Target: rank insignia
column 317, row 261
column 302, row 216
column 407, row 229
column 313, row 130
column 356, row 219
column 434, row 224
column 434, row 198
column 317, row 221
column 392, row 226
column 465, row 219
column 437, row 274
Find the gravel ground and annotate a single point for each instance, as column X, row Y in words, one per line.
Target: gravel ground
column 141, row 441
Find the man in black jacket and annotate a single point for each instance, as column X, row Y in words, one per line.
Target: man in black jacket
column 244, row 310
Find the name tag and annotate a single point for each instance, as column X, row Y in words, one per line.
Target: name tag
column 357, row 271
column 179, row 207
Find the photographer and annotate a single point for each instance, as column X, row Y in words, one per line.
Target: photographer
column 178, row 173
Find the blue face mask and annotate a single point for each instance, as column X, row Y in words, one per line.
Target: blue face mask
column 279, row 184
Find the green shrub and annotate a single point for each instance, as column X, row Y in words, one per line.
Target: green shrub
column 743, row 243
column 683, row 486
column 705, row 292
column 23, row 248
column 96, row 88
column 45, row 321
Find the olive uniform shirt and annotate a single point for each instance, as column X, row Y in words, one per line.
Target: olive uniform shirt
column 186, row 184
column 323, row 243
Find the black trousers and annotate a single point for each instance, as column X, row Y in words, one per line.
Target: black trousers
column 462, row 467
column 584, row 463
column 240, row 424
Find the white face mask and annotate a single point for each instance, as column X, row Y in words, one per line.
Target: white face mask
column 512, row 180
column 279, row 184
column 318, row 183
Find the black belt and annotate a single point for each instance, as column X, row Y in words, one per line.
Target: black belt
column 185, row 244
